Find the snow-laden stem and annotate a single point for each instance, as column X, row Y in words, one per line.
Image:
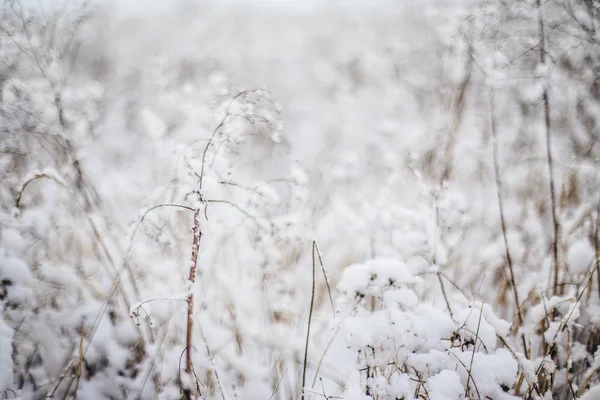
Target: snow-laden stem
column 190, row 314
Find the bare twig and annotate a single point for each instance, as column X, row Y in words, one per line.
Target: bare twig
column 143, row 216
column 277, row 385
column 507, row 255
column 212, row 361
column 597, row 243
column 310, row 312
column 473, row 353
column 470, row 376
column 80, row 358
column 240, row 209
column 35, row 177
column 320, row 363
column 546, row 100
column 588, row 380
column 444, row 294
column 155, row 358
column 316, row 248
column 566, row 319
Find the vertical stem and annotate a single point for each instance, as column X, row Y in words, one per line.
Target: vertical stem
column 569, row 345
column 445, row 296
column 190, row 314
column 501, row 207
column 473, row 353
column 503, row 220
column 597, row 244
column 433, row 257
column 312, row 302
column 546, row 101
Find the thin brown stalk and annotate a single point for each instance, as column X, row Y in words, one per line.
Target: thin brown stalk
column 240, row 209
column 212, row 361
column 473, row 353
column 569, row 345
column 187, row 392
column 597, row 243
column 566, row 319
column 60, row 380
column 466, row 369
column 444, row 294
column 433, row 256
column 35, row 177
column 320, row 363
column 156, row 357
column 80, row 358
column 310, row 312
column 588, row 380
column 277, row 385
column 507, row 255
column 546, row 100
column 316, row 248
column 216, row 130
column 522, row 377
column 440, row 273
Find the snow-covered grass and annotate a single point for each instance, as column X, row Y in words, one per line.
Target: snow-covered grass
column 372, row 188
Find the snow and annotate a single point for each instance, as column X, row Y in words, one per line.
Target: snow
column 592, row 394
column 445, row 386
column 14, row 270
column 580, row 256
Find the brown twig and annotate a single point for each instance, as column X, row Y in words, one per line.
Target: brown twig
column 546, row 100
column 310, row 312
column 507, row 254
column 80, row 358
column 473, row 353
column 316, row 248
column 35, row 177
column 444, row 294
column 190, row 313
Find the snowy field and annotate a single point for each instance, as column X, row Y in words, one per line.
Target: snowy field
column 273, row 200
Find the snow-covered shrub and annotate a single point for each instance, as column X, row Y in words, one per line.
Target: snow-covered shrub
column 406, row 347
